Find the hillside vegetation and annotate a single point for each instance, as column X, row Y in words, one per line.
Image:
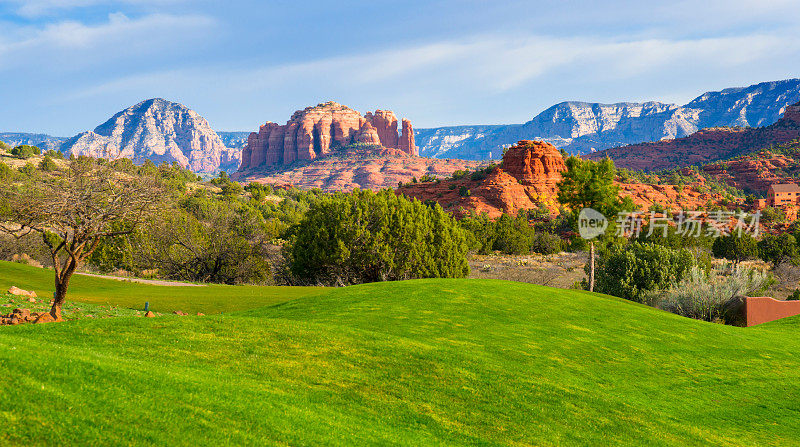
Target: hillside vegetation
column 423, row 362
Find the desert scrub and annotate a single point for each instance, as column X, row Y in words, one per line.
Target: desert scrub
column 712, row 295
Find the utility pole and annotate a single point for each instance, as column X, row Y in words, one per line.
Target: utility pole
column 591, row 266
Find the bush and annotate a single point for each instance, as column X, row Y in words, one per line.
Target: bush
column 25, row 151
column 367, row 237
column 735, row 247
column 546, row 244
column 632, row 271
column 795, row 296
column 713, row 295
column 54, row 154
column 481, row 174
column 772, row 215
column 464, row 191
column 778, row 249
column 4, row 146
column 47, row 164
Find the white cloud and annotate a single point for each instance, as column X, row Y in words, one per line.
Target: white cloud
column 36, row 8
column 69, row 44
column 485, row 65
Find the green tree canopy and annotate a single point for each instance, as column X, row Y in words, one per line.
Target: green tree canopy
column 778, row 249
column 365, row 237
column 589, row 184
column 735, row 247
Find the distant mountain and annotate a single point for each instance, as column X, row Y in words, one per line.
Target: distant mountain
column 42, row 141
column 707, row 145
column 234, row 140
column 582, row 127
column 160, row 131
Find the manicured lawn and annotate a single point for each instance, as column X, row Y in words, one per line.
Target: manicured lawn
column 207, row 299
column 432, row 362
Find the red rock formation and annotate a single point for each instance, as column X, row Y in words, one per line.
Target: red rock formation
column 534, row 163
column 407, row 143
column 705, row 146
column 361, row 168
column 368, row 134
column 529, row 177
column 385, row 124
column 318, row 131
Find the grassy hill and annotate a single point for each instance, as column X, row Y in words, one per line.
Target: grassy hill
column 213, row 298
column 441, row 362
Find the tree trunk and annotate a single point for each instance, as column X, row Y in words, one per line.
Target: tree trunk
column 591, row 266
column 62, row 284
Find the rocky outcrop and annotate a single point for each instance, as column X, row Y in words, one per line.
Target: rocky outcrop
column 160, row 131
column 528, row 177
column 318, row 131
column 534, row 163
column 407, row 140
column 706, row 146
column 582, row 127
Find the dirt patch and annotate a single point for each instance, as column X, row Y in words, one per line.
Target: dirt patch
column 152, row 282
column 560, row 270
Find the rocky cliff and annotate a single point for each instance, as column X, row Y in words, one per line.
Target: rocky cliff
column 581, row 127
column 322, row 130
column 160, row 131
column 528, row 177
column 707, row 145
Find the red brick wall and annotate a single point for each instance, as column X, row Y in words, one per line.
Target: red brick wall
column 763, row 309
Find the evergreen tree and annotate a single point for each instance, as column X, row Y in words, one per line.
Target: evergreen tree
column 778, row 249
column 365, row 237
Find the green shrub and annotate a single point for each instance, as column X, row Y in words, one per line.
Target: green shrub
column 427, row 178
column 367, row 237
column 735, row 247
column 546, row 244
column 631, row 271
column 29, row 170
column 795, row 296
column 457, row 175
column 47, row 164
column 25, row 151
column 778, row 249
column 481, row 174
column 54, row 154
column 463, row 191
column 772, row 215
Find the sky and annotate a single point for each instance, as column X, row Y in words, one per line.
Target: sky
column 66, row 66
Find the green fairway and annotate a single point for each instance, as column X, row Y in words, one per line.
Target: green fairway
column 207, row 299
column 428, row 362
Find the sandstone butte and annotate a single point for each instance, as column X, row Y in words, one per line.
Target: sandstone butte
column 318, row 131
column 528, row 177
column 335, row 148
column 705, row 146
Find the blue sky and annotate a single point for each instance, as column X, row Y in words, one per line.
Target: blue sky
column 68, row 65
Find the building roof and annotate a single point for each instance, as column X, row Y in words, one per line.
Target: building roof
column 785, row 187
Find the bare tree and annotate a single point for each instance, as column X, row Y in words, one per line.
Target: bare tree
column 73, row 209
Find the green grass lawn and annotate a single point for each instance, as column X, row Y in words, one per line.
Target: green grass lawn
column 206, row 299
column 429, row 362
